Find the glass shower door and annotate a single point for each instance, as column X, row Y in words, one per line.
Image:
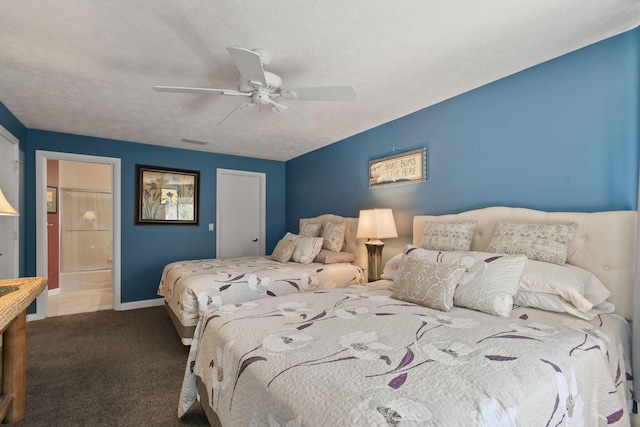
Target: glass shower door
column 86, row 230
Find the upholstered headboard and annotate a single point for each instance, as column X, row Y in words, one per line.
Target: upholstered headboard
column 604, row 242
column 351, row 243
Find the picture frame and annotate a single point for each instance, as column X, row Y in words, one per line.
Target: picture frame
column 409, row 167
column 52, row 199
column 166, row 195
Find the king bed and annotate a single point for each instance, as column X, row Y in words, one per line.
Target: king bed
column 194, row 286
column 524, row 324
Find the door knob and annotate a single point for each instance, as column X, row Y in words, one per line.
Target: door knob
column 255, row 240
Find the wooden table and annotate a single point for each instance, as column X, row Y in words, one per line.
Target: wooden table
column 13, row 326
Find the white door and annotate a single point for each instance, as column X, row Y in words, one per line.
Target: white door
column 9, row 246
column 240, row 213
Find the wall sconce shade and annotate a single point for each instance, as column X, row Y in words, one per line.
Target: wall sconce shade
column 5, row 207
column 376, row 224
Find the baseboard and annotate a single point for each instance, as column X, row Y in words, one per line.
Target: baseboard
column 141, row 304
column 55, row 291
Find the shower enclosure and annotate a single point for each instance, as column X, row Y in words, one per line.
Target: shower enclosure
column 86, row 235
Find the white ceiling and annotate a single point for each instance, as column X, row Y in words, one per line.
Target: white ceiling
column 87, row 67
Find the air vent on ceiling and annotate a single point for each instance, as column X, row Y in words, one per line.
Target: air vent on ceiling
column 195, row 141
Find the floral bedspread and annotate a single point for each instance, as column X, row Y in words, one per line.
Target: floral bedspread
column 354, row 356
column 192, row 287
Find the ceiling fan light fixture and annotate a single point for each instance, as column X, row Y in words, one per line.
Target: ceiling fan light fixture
column 274, row 84
column 264, row 87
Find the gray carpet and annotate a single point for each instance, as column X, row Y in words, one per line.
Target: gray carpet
column 106, row 368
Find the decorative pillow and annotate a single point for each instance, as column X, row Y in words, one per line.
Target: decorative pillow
column 413, row 252
column 490, row 283
column 544, row 242
column 577, row 286
column 307, row 248
column 283, row 251
column 310, row 230
column 448, row 236
column 291, row 236
column 428, row 283
column 558, row 304
column 334, row 236
column 329, row 257
column 391, row 267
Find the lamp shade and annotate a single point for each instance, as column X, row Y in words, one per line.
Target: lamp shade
column 376, row 224
column 89, row 216
column 5, row 207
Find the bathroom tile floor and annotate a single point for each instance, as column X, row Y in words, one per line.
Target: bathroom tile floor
column 82, row 294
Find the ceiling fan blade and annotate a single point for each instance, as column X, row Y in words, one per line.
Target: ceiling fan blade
column 242, row 107
column 198, row 90
column 323, row 93
column 295, row 116
column 249, row 64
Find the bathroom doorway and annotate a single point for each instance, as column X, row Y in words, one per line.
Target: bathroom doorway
column 90, row 217
column 80, row 212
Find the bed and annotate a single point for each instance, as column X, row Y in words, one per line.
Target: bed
column 191, row 287
column 357, row 356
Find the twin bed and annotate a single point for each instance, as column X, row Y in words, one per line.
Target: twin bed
column 192, row 287
column 547, row 351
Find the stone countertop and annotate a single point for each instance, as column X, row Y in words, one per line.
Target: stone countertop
column 15, row 302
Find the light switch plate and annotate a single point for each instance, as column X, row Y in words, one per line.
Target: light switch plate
column 210, row 226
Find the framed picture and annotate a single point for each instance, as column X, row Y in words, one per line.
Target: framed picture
column 166, row 195
column 404, row 168
column 52, row 200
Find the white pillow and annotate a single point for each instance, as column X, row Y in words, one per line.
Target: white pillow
column 576, row 285
column 307, row 248
column 556, row 303
column 391, row 267
column 490, row 283
column 448, row 236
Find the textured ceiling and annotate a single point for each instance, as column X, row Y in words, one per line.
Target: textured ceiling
column 87, row 67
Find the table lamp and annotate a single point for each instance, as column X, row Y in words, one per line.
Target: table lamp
column 375, row 224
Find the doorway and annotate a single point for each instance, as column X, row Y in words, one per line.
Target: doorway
column 240, row 213
column 89, row 230
column 80, row 241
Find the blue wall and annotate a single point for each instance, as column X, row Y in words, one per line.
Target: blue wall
column 559, row 136
column 12, row 124
column 147, row 248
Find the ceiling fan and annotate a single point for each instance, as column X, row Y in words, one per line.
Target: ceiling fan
column 266, row 88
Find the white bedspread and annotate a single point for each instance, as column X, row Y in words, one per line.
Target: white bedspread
column 192, row 287
column 354, row 356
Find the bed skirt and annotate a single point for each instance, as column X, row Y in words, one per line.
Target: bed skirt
column 185, row 332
